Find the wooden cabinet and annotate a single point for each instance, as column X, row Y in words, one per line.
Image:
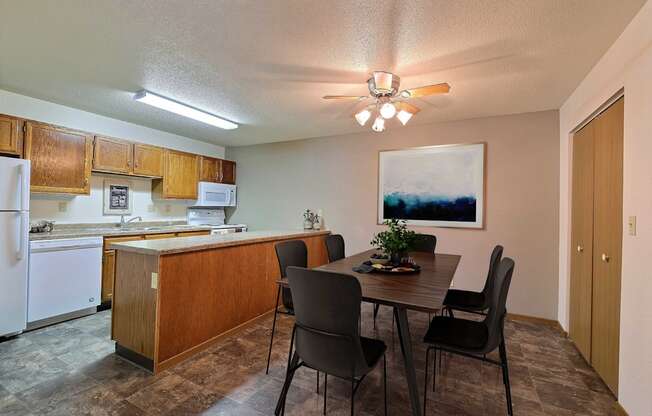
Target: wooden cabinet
column 108, row 260
column 180, row 176
column 61, row 159
column 209, row 170
column 148, row 161
column 108, row 274
column 596, row 239
column 227, row 169
column 10, row 139
column 112, row 155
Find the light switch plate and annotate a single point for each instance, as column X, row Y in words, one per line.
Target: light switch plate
column 154, row 280
column 151, row 208
column 168, row 208
column 63, row 206
column 631, row 225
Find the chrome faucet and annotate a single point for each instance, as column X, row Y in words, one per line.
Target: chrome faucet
column 123, row 222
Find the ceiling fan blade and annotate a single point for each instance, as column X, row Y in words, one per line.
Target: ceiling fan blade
column 344, row 97
column 442, row 88
column 402, row 105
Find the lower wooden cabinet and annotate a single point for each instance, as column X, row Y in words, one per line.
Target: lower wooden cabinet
column 60, row 158
column 108, row 260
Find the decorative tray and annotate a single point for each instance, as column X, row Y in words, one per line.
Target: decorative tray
column 405, row 268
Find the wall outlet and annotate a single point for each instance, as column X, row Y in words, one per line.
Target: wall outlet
column 63, row 206
column 631, row 225
column 168, row 208
column 154, row 280
column 151, row 208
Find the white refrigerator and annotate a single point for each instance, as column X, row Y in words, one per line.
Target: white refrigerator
column 14, row 244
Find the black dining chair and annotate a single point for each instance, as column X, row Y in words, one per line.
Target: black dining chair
column 335, row 247
column 475, row 339
column 423, row 243
column 326, row 336
column 475, row 302
column 288, row 253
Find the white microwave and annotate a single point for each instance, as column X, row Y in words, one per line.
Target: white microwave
column 215, row 195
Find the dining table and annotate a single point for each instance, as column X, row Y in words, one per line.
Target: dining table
column 422, row 291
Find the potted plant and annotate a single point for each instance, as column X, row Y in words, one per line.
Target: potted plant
column 396, row 241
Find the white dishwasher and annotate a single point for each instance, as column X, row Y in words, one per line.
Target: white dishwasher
column 64, row 279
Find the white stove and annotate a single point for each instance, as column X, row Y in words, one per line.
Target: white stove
column 213, row 218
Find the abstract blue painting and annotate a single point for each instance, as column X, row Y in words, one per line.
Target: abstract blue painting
column 441, row 186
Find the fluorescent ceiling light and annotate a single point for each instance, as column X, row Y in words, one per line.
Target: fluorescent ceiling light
column 183, row 110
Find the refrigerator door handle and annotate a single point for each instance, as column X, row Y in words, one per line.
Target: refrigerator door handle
column 22, row 245
column 23, row 185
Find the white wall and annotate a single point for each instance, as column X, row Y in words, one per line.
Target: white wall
column 628, row 64
column 89, row 208
column 339, row 174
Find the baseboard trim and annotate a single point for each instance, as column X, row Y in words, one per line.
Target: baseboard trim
column 534, row 319
column 620, row 411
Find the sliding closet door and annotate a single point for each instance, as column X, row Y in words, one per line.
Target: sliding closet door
column 581, row 284
column 608, row 232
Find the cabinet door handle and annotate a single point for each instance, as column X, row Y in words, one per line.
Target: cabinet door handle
column 580, row 249
column 605, row 258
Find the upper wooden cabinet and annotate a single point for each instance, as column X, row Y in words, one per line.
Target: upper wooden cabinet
column 10, row 139
column 60, row 158
column 112, row 155
column 180, row 176
column 227, row 175
column 148, row 160
column 209, row 169
column 216, row 170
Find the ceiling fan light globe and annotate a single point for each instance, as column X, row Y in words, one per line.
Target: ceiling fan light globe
column 362, row 117
column 379, row 124
column 404, row 116
column 388, row 110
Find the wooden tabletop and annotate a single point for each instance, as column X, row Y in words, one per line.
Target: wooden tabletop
column 423, row 291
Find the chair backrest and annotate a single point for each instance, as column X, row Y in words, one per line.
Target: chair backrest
column 494, row 261
column 327, row 309
column 291, row 253
column 335, row 247
column 495, row 319
column 425, row 243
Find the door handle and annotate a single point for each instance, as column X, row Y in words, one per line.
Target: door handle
column 605, row 258
column 21, row 238
column 580, row 249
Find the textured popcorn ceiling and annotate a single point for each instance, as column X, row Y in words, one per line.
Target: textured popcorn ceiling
column 266, row 63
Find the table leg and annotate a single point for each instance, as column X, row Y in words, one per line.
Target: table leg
column 406, row 347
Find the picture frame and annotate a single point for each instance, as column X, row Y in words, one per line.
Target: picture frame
column 435, row 186
column 118, row 197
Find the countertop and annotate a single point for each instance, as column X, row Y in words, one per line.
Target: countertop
column 188, row 244
column 113, row 230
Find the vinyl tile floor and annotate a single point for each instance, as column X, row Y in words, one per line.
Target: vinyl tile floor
column 71, row 369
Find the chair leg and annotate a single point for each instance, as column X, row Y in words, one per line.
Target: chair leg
column 425, row 383
column 376, row 308
column 317, row 382
column 434, row 369
column 385, row 381
column 280, row 405
column 271, row 338
column 352, row 395
column 325, row 390
column 508, row 390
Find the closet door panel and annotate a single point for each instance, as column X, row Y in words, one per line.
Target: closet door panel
column 582, row 241
column 608, row 233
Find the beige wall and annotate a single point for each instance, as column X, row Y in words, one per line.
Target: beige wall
column 276, row 182
column 628, row 64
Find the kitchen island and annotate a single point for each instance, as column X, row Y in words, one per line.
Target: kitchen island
column 175, row 297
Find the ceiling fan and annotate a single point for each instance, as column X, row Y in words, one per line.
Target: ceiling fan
column 389, row 102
